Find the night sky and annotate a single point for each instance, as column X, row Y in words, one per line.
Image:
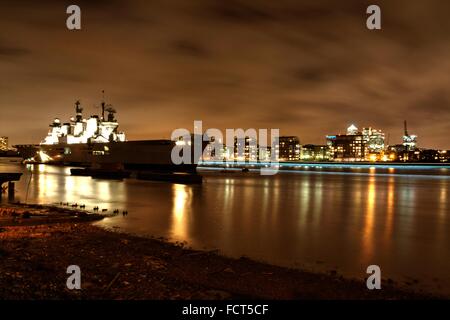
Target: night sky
column 309, row 68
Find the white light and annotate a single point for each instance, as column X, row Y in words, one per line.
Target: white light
column 44, row 157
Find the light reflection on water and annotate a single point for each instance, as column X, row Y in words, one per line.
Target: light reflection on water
column 316, row 220
column 182, row 197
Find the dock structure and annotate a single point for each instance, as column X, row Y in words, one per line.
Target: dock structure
column 9, row 178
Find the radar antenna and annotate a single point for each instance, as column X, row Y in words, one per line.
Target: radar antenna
column 111, row 111
column 78, row 110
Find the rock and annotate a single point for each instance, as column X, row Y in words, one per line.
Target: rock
column 26, row 215
column 214, row 295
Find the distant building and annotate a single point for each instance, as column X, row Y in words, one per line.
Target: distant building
column 374, row 140
column 312, row 152
column 5, row 150
column 444, row 155
column 265, row 154
column 4, row 144
column 352, row 130
column 429, row 155
column 288, row 148
column 400, row 152
column 408, row 151
column 395, row 152
column 356, row 145
column 245, row 149
column 346, row 147
column 409, row 141
column 214, row 151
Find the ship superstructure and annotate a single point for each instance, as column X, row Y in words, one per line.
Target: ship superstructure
column 96, row 129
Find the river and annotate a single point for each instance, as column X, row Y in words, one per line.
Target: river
column 311, row 219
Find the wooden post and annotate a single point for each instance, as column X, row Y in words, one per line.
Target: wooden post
column 10, row 190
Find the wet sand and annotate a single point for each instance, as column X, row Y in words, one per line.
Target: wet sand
column 36, row 250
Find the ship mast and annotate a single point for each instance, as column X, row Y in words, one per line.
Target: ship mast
column 79, row 111
column 103, row 105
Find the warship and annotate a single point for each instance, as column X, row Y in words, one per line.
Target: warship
column 97, row 142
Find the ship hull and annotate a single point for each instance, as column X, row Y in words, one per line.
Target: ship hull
column 152, row 155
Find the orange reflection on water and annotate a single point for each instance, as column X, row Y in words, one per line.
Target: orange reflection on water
column 443, row 213
column 182, row 196
column 443, row 199
column 369, row 220
column 390, row 206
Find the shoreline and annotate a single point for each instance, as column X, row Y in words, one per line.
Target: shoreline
column 34, row 257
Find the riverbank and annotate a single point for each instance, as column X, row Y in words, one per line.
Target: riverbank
column 34, row 258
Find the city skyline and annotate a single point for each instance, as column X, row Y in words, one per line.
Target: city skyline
column 395, row 140
column 225, row 158
column 309, row 68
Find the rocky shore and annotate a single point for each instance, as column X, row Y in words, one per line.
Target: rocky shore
column 39, row 243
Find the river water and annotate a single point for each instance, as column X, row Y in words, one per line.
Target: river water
column 318, row 220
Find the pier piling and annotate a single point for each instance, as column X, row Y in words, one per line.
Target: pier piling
column 10, row 190
column 10, row 177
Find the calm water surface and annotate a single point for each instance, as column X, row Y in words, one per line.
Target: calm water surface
column 315, row 220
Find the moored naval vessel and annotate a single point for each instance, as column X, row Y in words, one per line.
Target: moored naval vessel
column 97, row 142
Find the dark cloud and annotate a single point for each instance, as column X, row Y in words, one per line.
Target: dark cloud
column 9, row 51
column 309, row 68
column 233, row 11
column 190, row 48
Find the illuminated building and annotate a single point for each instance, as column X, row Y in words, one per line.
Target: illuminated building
column 347, row 147
column 311, row 152
column 5, row 149
column 374, row 144
column 365, row 145
column 288, row 148
column 352, row 130
column 429, row 155
column 395, row 152
column 399, row 152
column 409, row 141
column 4, row 144
column 408, row 151
column 215, row 151
column 374, row 140
column 444, row 155
column 245, row 149
column 265, row 154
